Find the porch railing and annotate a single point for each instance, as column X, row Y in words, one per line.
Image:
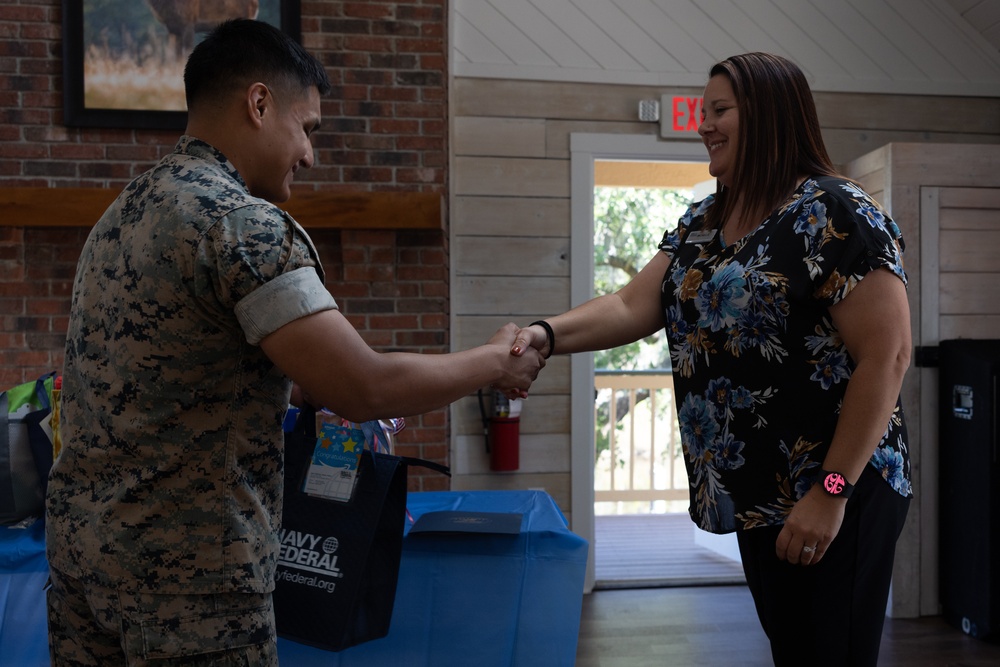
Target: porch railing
column 639, row 452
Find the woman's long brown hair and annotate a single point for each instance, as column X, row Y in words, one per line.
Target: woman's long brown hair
column 779, row 137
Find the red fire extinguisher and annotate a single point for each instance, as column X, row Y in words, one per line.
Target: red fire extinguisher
column 502, row 432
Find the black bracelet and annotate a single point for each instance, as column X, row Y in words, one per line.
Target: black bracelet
column 548, row 332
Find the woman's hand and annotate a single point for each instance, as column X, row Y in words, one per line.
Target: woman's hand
column 520, row 369
column 530, row 336
column 811, row 526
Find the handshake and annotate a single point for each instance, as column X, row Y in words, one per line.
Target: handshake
column 526, row 350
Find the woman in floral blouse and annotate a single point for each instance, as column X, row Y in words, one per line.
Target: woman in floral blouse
column 783, row 298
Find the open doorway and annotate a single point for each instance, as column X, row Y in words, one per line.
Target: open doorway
column 643, row 535
column 638, row 469
column 586, row 151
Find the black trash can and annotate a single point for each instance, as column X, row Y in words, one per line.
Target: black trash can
column 970, row 486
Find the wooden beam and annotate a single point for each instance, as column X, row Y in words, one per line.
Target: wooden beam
column 317, row 209
column 82, row 207
column 53, row 207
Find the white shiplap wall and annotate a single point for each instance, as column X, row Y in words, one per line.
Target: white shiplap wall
column 926, row 47
column 983, row 15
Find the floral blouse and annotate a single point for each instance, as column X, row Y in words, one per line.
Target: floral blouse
column 759, row 368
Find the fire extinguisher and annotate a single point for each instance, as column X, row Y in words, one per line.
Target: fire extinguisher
column 502, row 432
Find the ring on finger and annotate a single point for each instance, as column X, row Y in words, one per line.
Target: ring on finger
column 808, row 550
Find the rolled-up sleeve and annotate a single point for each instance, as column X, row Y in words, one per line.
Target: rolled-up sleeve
column 285, row 299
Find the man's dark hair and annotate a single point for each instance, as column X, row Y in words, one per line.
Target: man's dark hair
column 241, row 51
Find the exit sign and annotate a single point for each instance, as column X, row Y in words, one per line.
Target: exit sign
column 680, row 116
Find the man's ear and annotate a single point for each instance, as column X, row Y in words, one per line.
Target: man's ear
column 258, row 102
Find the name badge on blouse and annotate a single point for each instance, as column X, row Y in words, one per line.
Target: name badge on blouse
column 701, row 236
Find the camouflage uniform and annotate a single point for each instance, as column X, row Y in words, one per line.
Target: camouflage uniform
column 170, row 478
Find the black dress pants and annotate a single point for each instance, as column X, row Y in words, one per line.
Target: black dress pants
column 831, row 613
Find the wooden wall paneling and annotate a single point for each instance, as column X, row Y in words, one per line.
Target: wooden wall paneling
column 844, row 145
column 500, row 295
column 969, row 293
column 512, row 137
column 973, row 219
column 920, row 539
column 522, row 177
column 970, row 234
column 946, row 165
column 511, row 256
column 970, row 326
column 915, row 113
column 974, row 198
column 511, row 216
column 557, row 132
column 869, row 169
column 941, row 196
column 552, row 100
column 874, row 171
column 973, row 251
column 494, row 200
column 610, row 102
column 970, row 267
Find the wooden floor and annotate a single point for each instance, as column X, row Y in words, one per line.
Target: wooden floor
column 716, row 626
column 648, row 610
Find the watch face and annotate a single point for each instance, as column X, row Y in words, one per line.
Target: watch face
column 834, row 483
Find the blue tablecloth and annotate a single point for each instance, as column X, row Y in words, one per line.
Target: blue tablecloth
column 463, row 599
column 475, row 599
column 23, row 573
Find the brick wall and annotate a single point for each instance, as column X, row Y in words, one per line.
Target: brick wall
column 385, row 128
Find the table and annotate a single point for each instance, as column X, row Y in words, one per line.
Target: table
column 23, row 573
column 463, row 599
column 477, row 599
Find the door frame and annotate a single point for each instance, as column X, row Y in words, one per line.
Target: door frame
column 585, row 149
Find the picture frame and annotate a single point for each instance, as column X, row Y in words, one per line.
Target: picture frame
column 128, row 72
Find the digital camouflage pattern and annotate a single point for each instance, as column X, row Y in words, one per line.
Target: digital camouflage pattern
column 170, row 477
column 142, row 629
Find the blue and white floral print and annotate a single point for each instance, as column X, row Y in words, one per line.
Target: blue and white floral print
column 721, row 299
column 709, row 444
column 760, row 365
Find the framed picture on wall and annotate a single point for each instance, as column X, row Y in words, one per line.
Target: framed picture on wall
column 123, row 60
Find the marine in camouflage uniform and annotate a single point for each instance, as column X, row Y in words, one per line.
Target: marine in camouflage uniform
column 191, row 292
column 167, row 494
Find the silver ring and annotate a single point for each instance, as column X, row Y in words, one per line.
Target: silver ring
column 808, row 550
